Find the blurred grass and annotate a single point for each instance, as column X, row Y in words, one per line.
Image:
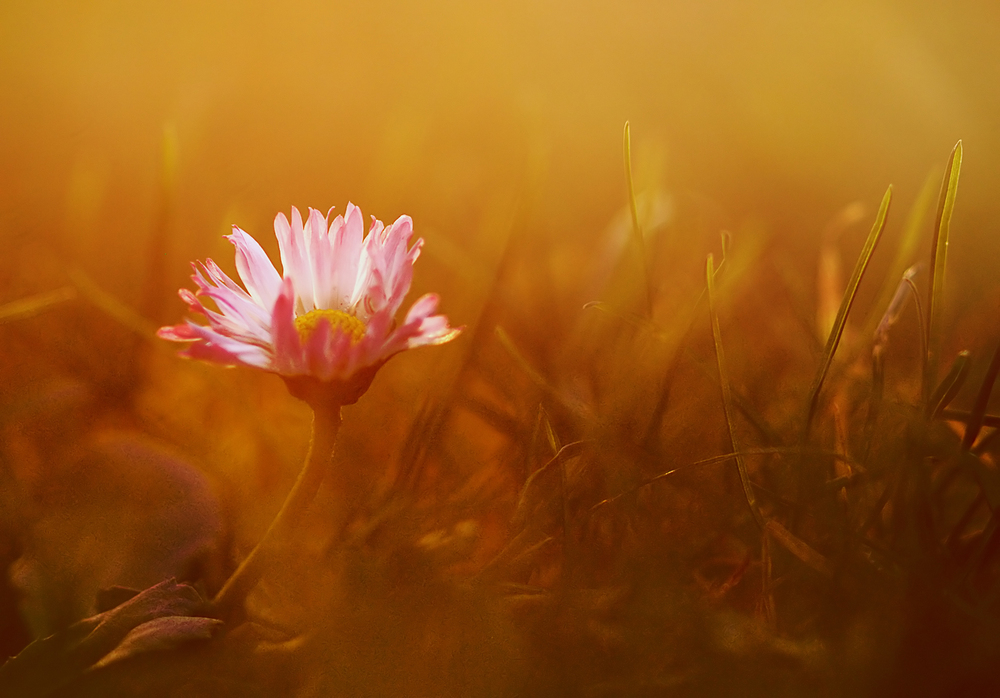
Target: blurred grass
column 533, row 523
column 552, row 505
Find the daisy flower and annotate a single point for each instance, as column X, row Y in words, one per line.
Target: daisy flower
column 329, row 316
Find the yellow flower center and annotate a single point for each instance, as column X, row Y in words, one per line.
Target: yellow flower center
column 306, row 324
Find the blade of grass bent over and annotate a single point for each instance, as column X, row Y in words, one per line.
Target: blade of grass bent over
column 727, row 398
column 636, row 227
column 845, row 305
column 939, row 259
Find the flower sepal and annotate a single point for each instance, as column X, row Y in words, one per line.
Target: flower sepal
column 324, row 396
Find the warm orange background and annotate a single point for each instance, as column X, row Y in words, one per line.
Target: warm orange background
column 127, row 123
column 454, row 111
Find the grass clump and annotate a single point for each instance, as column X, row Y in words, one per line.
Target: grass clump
column 663, row 488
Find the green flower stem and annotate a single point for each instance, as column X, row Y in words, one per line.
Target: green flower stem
column 326, row 424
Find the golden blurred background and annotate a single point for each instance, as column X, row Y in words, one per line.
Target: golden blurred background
column 133, row 135
column 451, row 111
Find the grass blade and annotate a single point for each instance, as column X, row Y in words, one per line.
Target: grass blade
column 978, row 412
column 799, row 548
column 766, row 451
column 574, row 406
column 950, row 386
column 727, row 398
column 907, row 248
column 33, row 305
column 113, row 307
column 939, row 260
column 640, row 245
column 845, row 305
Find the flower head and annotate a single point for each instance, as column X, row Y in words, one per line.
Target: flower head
column 330, row 316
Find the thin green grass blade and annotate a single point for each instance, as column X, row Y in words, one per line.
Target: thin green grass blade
column 950, row 386
column 727, row 398
column 636, row 226
column 939, row 260
column 765, row 451
column 550, row 434
column 845, row 305
column 906, row 251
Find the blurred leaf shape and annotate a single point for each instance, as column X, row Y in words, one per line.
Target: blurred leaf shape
column 161, row 634
column 158, row 618
column 125, row 511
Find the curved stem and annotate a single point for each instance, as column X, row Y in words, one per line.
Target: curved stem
column 326, row 424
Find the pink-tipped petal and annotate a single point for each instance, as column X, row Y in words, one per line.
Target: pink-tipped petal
column 255, row 269
column 421, row 327
column 315, row 350
column 433, row 330
column 338, row 358
column 346, row 235
column 238, row 351
column 295, row 256
column 321, row 260
column 422, row 307
column 288, row 359
column 176, row 333
column 203, row 351
column 237, row 307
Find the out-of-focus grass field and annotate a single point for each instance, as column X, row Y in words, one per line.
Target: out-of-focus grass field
column 507, row 536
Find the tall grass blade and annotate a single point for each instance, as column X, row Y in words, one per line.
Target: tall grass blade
column 640, row 245
column 845, row 306
column 939, row 260
column 950, row 386
column 978, row 412
column 727, row 398
column 906, row 251
column 766, row 451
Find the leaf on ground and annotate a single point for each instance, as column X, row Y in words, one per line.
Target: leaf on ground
column 161, row 634
column 51, row 663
